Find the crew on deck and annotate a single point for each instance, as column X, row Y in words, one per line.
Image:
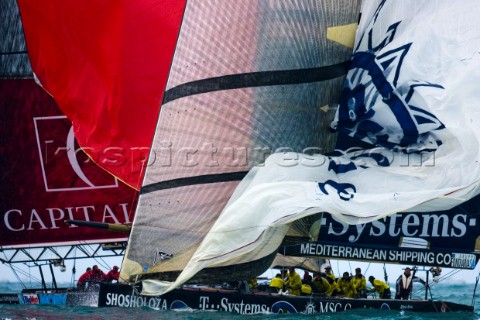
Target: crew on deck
column 97, row 275
column 113, row 274
column 330, row 275
column 320, row 285
column 306, row 277
column 277, row 282
column 84, row 278
column 252, row 283
column 306, row 289
column 404, row 284
column 345, row 285
column 381, row 287
column 359, row 284
column 293, row 282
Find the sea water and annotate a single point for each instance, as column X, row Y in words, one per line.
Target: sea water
column 461, row 293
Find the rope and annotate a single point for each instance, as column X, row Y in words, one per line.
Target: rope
column 366, row 270
column 439, row 280
column 413, row 277
column 17, row 270
column 475, row 289
column 16, row 276
column 99, row 260
column 74, row 269
column 385, row 275
column 434, row 305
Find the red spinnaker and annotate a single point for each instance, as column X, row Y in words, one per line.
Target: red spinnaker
column 106, row 64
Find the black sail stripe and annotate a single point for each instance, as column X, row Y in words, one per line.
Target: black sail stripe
column 257, row 79
column 13, row 52
column 189, row 181
column 243, row 80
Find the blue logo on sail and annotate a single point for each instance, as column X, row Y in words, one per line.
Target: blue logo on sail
column 345, row 191
column 378, row 109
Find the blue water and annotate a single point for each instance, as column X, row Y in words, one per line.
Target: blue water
column 456, row 293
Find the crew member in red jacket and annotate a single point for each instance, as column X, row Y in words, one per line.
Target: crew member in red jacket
column 113, row 274
column 84, row 278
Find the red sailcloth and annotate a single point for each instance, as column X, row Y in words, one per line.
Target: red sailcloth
column 106, row 64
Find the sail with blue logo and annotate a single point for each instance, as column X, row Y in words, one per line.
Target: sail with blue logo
column 408, row 125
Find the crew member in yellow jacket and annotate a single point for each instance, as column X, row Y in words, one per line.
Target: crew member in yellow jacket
column 381, row 287
column 345, row 285
column 320, row 284
column 277, row 282
column 293, row 282
column 359, row 284
column 306, row 289
column 330, row 275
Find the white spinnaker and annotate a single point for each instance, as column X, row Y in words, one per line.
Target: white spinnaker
column 445, row 51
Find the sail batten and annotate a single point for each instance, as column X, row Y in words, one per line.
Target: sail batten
column 182, row 182
column 257, row 79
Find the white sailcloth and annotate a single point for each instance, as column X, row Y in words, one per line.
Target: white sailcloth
column 412, row 92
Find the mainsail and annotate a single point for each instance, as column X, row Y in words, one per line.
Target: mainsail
column 252, row 88
column 253, row 79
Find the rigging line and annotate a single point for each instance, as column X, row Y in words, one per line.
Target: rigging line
column 101, row 262
column 444, row 277
column 257, row 79
column 417, row 291
column 16, row 276
column 189, row 181
column 29, row 276
column 385, row 275
column 366, row 270
column 95, row 258
column 74, row 269
column 475, row 289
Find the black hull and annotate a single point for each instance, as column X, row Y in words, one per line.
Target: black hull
column 9, row 298
column 118, row 295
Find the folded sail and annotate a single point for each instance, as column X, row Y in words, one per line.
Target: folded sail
column 306, row 263
column 411, row 98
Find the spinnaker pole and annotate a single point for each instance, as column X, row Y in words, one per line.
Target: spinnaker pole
column 124, row 228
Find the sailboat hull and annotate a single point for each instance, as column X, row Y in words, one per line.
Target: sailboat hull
column 213, row 299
